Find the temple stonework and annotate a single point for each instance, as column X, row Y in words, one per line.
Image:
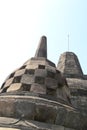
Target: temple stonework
column 41, row 96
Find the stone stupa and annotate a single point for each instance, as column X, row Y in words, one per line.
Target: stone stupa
column 37, row 96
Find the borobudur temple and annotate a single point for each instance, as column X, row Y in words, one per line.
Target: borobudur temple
column 41, row 96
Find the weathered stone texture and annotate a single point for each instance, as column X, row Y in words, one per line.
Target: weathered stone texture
column 42, row 48
column 37, row 88
column 27, row 79
column 38, row 76
column 37, row 96
column 69, row 65
column 29, row 125
column 77, row 81
column 38, row 109
column 14, row 87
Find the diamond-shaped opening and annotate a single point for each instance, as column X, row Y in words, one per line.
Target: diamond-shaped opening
column 26, row 87
column 11, row 75
column 51, row 91
column 60, row 85
column 30, row 71
column 3, row 85
column 41, row 67
column 82, row 92
column 16, row 79
column 68, row 98
column 50, row 74
column 39, row 80
column 4, row 89
column 23, row 67
column 57, row 71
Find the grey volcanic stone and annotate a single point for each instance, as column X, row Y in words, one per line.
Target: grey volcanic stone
column 28, row 125
column 37, row 88
column 40, row 73
column 28, row 79
column 69, row 65
column 24, row 109
column 7, row 108
column 38, row 94
column 69, row 118
column 51, row 83
column 46, row 113
column 42, row 48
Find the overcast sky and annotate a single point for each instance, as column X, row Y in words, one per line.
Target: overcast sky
column 23, row 22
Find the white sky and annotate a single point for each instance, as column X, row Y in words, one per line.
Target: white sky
column 23, row 22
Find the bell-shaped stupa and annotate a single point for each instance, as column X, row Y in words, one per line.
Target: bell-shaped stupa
column 37, row 97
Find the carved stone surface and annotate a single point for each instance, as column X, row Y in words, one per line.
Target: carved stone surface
column 37, row 96
column 42, row 48
column 69, row 65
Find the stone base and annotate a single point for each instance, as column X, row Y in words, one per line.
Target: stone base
column 16, row 124
column 25, row 107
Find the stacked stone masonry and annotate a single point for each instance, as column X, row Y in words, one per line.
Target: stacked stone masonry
column 41, row 96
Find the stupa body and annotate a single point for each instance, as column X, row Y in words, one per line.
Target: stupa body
column 70, row 68
column 37, row 96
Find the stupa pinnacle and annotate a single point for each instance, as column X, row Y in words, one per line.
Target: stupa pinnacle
column 42, row 48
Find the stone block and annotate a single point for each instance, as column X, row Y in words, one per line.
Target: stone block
column 5, row 128
column 40, row 73
column 45, row 113
column 73, row 120
column 7, row 108
column 57, row 127
column 50, row 68
column 32, row 66
column 30, row 71
column 39, row 80
column 8, row 82
column 61, row 115
column 19, row 72
column 51, row 83
column 68, row 118
column 37, row 61
column 64, row 93
column 24, row 109
column 27, row 79
column 40, row 125
column 50, row 74
column 37, row 88
column 14, row 87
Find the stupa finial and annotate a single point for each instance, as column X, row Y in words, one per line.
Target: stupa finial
column 42, row 48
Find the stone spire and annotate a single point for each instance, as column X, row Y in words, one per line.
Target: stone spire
column 42, row 48
column 69, row 65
